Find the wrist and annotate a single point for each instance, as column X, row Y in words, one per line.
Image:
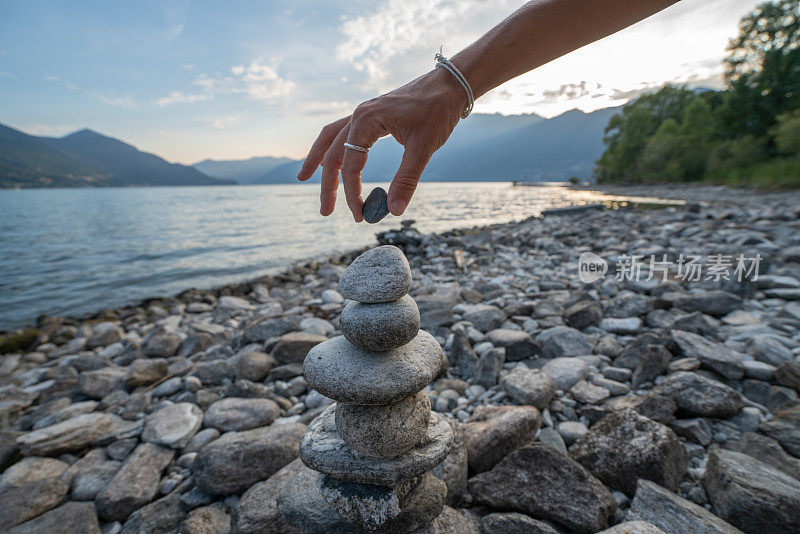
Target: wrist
column 447, row 90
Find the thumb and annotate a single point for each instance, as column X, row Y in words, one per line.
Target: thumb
column 405, row 181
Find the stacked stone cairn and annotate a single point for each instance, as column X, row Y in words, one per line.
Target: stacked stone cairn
column 374, row 447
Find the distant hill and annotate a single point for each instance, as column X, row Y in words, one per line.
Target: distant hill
column 86, row 159
column 494, row 148
column 245, row 171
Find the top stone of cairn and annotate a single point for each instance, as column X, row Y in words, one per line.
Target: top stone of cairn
column 381, row 274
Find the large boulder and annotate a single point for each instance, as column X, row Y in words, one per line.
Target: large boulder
column 750, row 494
column 237, row 460
column 625, row 446
column 540, row 481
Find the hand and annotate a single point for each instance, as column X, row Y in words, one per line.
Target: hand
column 420, row 115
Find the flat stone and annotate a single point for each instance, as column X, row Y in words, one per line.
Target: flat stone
column 237, row 460
column 671, row 513
column 625, row 446
column 375, row 206
column 346, row 373
column 583, row 314
column 529, row 386
column 145, row 371
column 235, row 413
column 252, row 365
column 750, row 494
column 381, row 274
column 261, row 330
column 26, row 501
column 96, row 428
column 588, row 393
column 519, row 344
column 696, row 430
column 766, row 450
column 653, row 406
column 563, row 341
column 711, row 354
column 515, row 523
column 768, row 349
column 384, row 431
column 294, row 346
column 785, row 427
column 173, row 426
column 485, row 317
column 32, row 469
column 566, row 372
column 633, row 527
column 97, row 384
column 627, row 326
column 494, row 431
column 697, row 395
column 90, row 480
column 382, row 326
column 323, row 450
column 716, row 303
column 540, row 481
column 163, row 516
column 135, row 484
column 69, row 517
column 571, row 431
column 257, row 511
column 212, row 519
column 454, row 469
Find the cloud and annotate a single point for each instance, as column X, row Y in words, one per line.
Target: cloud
column 260, row 81
column 225, row 121
column 178, row 97
column 174, row 31
column 123, row 101
column 335, row 107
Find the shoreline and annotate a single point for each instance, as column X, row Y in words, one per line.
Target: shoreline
column 687, row 193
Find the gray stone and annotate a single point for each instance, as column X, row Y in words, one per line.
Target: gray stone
column 700, row 396
column 173, row 426
column 74, row 434
column 654, row 363
column 488, row 367
column 462, row 356
column 375, row 206
column 213, row 519
column 213, row 372
column 32, row 469
column 541, row 482
column 382, row 326
column 135, row 484
column 767, row 349
column 89, row 481
column 750, row 494
column 381, row 274
column 625, row 446
column 620, row 374
column 624, row 326
column 163, row 516
column 484, row 317
column 494, row 431
column 583, row 314
column 69, row 517
column 653, row 406
column 384, row 431
column 715, row 303
column 162, row 345
column 788, row 374
column 26, row 501
column 633, row 527
column 143, row 372
column 550, row 437
column 346, row 373
column 105, row 334
column 766, row 450
column 566, row 372
column 235, row 413
column 519, row 345
column 697, row 430
column 454, row 469
column 785, row 427
column 528, row 386
column 588, row 393
column 323, row 450
column 672, row 514
column 257, row 511
column 759, row 370
column 252, row 365
column 264, row 329
column 97, row 384
column 711, row 354
column 571, row 431
column 236, row 460
column 562, row 341
column 515, row 523
column 294, row 346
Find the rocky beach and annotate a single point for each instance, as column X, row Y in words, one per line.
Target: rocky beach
column 650, row 399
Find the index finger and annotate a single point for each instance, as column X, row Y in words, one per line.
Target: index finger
column 320, row 146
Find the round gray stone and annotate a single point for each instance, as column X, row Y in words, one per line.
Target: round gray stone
column 323, row 450
column 381, row 274
column 235, row 413
column 380, row 326
column 384, row 431
column 375, row 207
column 344, row 372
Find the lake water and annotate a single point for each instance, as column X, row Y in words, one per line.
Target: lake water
column 70, row 251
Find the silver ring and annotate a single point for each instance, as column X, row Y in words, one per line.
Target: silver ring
column 356, row 147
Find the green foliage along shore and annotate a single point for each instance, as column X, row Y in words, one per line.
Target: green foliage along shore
column 747, row 134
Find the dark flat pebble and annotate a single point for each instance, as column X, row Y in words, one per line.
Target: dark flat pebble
column 375, row 207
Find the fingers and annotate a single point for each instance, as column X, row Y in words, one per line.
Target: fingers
column 405, row 181
column 364, row 131
column 319, row 148
column 331, row 164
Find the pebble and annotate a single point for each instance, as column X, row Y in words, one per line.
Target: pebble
column 380, row 327
column 375, row 206
column 381, row 274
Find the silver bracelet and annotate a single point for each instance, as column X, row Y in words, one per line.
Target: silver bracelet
column 445, row 63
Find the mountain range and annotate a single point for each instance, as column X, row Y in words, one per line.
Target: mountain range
column 485, row 147
column 86, row 159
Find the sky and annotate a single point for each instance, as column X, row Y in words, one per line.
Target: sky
column 190, row 80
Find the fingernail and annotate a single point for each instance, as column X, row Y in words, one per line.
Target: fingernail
column 398, row 206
